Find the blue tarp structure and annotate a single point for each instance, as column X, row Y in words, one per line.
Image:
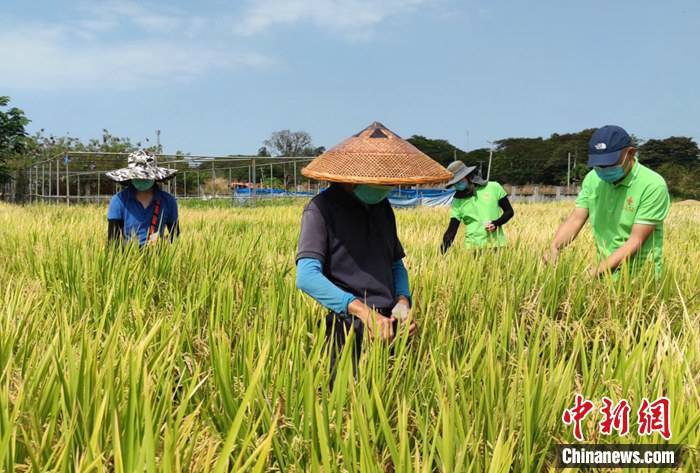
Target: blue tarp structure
column 242, row 195
column 246, row 192
column 404, row 198
column 421, row 197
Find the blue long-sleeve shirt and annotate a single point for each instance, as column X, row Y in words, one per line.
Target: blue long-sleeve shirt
column 312, row 281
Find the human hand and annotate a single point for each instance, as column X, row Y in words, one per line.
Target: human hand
column 402, row 313
column 490, row 227
column 411, row 325
column 551, row 255
column 152, row 239
column 595, row 272
column 402, row 309
column 379, row 326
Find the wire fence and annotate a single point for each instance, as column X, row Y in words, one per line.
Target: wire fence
column 80, row 177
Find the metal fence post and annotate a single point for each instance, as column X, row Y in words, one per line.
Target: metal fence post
column 252, row 189
column 36, row 183
column 29, row 183
column 67, row 186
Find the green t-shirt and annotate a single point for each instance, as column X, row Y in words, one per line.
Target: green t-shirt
column 641, row 197
column 476, row 211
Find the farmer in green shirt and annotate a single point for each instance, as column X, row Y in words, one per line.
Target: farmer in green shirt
column 482, row 205
column 626, row 203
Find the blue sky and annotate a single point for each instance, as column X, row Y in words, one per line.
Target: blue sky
column 218, row 76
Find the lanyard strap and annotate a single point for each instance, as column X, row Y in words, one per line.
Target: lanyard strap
column 154, row 220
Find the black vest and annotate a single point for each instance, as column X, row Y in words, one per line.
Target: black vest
column 362, row 245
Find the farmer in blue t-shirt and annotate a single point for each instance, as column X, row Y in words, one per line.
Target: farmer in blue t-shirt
column 141, row 210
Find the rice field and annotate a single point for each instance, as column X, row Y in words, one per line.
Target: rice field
column 202, row 355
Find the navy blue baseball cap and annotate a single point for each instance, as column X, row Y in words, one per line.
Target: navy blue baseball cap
column 606, row 145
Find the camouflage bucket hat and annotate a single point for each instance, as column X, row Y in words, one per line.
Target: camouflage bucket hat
column 141, row 165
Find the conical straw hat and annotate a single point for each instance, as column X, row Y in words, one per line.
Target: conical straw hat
column 376, row 155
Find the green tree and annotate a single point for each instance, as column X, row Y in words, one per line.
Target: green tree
column 677, row 159
column 50, row 145
column 674, row 150
column 289, row 143
column 13, row 137
column 314, row 151
column 440, row 150
column 522, row 161
column 43, row 147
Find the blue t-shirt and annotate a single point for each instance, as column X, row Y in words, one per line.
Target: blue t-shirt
column 137, row 219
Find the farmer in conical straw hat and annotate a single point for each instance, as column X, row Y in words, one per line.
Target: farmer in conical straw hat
column 481, row 205
column 141, row 210
column 349, row 257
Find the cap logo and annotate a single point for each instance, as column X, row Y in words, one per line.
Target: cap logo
column 601, row 146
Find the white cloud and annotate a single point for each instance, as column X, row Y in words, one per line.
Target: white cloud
column 46, row 58
column 130, row 44
column 350, row 17
column 120, row 44
column 105, row 16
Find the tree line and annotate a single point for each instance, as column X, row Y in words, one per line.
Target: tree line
column 520, row 161
column 19, row 151
column 515, row 161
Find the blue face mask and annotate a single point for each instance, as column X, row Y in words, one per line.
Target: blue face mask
column 462, row 185
column 611, row 174
column 372, row 194
column 142, row 184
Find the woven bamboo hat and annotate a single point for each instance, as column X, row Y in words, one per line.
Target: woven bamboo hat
column 376, row 155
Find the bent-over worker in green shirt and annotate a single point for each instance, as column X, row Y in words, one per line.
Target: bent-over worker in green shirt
column 626, row 203
column 481, row 205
